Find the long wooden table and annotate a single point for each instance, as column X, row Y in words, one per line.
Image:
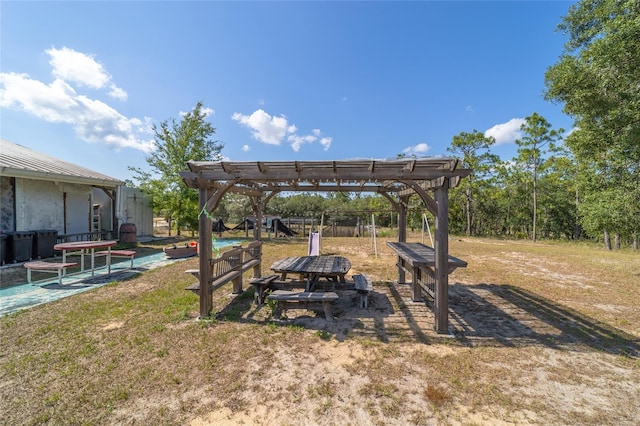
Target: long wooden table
column 420, row 261
column 313, row 267
column 86, row 248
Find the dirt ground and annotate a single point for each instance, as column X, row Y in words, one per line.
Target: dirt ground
column 523, row 349
column 536, row 355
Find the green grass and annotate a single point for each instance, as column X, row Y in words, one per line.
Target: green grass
column 135, row 350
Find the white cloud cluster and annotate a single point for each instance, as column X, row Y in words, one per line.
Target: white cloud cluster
column 58, row 101
column 75, row 67
column 506, row 132
column 418, row 150
column 265, row 128
column 273, row 130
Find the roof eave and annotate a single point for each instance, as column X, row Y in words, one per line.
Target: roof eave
column 30, row 174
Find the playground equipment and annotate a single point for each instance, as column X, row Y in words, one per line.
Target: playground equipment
column 426, row 221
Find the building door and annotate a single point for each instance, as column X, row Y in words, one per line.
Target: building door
column 77, row 213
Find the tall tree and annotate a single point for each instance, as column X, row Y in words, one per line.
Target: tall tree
column 537, row 138
column 557, row 215
column 513, row 216
column 175, row 144
column 474, row 149
column 597, row 80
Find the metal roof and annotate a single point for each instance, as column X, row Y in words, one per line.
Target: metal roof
column 20, row 161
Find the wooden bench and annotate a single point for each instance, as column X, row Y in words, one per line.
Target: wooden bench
column 51, row 267
column 262, row 284
column 231, row 275
column 118, row 253
column 363, row 285
column 230, row 266
column 303, row 300
column 194, row 272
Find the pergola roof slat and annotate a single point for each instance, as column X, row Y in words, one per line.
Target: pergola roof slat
column 337, row 171
column 329, row 176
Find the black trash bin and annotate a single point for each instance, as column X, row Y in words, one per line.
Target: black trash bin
column 3, row 249
column 43, row 242
column 20, row 246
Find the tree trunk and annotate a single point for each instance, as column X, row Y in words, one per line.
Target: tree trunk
column 576, row 230
column 607, row 240
column 635, row 241
column 535, row 198
column 616, row 241
column 468, row 211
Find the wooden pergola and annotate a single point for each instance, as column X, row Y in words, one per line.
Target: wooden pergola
column 396, row 180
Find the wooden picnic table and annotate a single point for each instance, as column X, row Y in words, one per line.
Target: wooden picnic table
column 87, row 248
column 313, row 268
column 420, row 260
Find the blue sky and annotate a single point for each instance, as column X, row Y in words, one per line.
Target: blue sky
column 84, row 81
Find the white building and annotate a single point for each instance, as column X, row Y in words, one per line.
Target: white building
column 38, row 191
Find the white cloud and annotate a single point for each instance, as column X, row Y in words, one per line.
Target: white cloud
column 52, row 102
column 265, row 128
column 506, row 132
column 273, row 130
column 245, row 148
column 417, row 150
column 101, row 123
column 82, row 69
column 117, row 93
column 59, row 102
column 326, row 143
column 297, row 141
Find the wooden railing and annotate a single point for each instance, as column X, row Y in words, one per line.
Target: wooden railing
column 230, row 266
column 86, row 236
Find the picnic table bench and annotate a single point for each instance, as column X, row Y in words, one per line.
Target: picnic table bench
column 117, row 253
column 51, row 267
column 230, row 266
column 363, row 285
column 303, row 300
column 262, row 285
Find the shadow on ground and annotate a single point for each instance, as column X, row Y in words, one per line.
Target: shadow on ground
column 511, row 316
column 479, row 315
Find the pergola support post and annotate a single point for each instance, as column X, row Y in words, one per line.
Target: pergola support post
column 441, row 302
column 257, row 204
column 237, row 285
column 205, row 232
column 402, row 232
